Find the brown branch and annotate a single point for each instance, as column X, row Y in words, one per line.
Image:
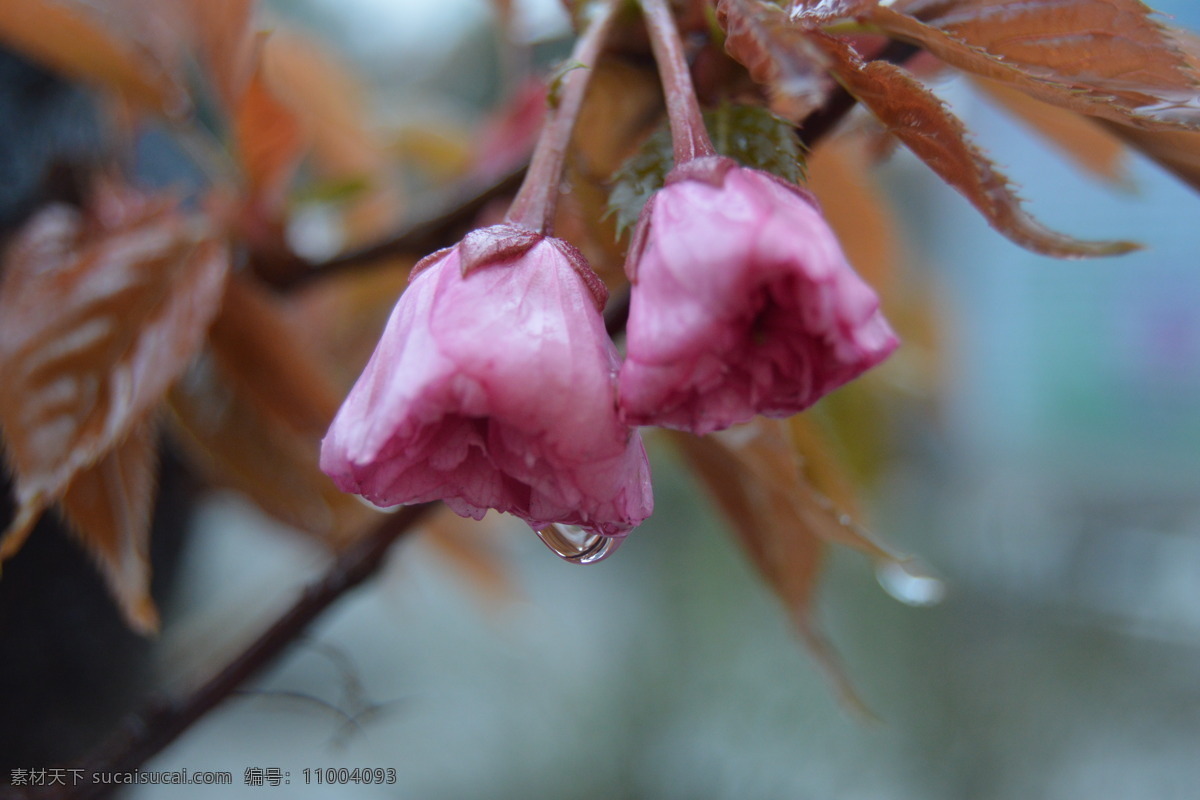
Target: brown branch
column 143, row 735
column 420, row 239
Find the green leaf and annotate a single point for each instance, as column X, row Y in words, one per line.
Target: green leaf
column 757, row 138
column 751, row 135
column 333, row 191
column 639, row 177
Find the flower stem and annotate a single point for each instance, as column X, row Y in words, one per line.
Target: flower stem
column 688, row 135
column 536, row 200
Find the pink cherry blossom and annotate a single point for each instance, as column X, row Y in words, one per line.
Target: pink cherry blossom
column 493, row 386
column 743, row 303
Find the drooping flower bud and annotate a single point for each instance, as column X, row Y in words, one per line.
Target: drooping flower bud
column 493, row 386
column 743, row 303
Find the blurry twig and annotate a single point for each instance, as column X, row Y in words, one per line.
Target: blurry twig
column 144, row 735
column 420, row 239
column 346, row 719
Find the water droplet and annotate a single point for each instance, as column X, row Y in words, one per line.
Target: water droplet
column 578, row 545
column 911, row 582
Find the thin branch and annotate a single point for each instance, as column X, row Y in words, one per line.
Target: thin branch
column 144, row 735
column 420, row 239
column 537, row 199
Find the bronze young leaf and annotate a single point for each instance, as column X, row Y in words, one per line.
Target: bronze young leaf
column 1082, row 139
column 1106, row 58
column 270, row 141
column 778, row 54
column 109, row 506
column 99, row 314
column 109, row 49
column 1176, row 151
column 754, row 477
column 923, row 123
column 225, row 40
column 252, row 411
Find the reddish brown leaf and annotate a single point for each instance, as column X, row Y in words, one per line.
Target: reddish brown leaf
column 820, row 12
column 98, row 315
column 254, row 412
column 778, row 54
column 1176, row 151
column 821, row 462
column 331, row 103
column 1106, row 58
column 257, row 346
column 224, row 36
column 109, row 505
column 819, row 443
column 1081, row 139
column 92, row 43
column 855, row 208
column 755, row 478
column 237, row 443
column 466, row 545
column 923, row 123
column 341, row 317
column 770, row 521
column 865, row 224
column 270, row 141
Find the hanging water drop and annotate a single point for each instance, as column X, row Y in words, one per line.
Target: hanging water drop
column 911, row 582
column 578, row 545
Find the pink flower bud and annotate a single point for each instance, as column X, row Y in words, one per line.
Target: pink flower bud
column 493, row 386
column 743, row 303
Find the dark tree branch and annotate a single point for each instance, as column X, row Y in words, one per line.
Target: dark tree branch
column 421, row 239
column 145, row 734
